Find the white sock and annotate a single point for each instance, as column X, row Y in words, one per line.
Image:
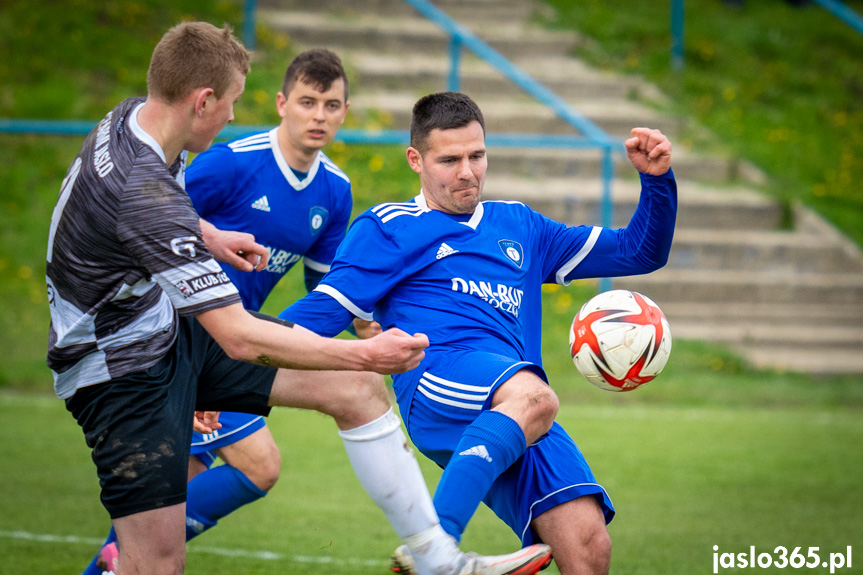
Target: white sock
column 384, row 463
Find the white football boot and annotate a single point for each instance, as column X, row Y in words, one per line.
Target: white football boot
column 527, row 561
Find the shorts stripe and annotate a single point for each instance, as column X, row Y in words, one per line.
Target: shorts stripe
column 472, row 406
column 456, row 385
column 450, row 392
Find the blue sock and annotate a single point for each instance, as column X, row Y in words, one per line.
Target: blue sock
column 92, row 568
column 214, row 494
column 489, row 445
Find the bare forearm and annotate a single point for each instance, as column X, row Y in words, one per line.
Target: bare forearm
column 247, row 338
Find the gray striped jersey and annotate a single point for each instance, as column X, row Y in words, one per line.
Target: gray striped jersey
column 125, row 256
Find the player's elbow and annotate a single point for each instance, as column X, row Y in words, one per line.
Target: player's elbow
column 238, row 348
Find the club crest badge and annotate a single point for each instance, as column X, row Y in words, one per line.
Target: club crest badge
column 317, row 219
column 513, row 251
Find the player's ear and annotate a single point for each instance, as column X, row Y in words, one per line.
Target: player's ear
column 281, row 102
column 415, row 159
column 202, row 97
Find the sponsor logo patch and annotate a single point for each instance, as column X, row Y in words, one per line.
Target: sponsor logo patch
column 192, row 286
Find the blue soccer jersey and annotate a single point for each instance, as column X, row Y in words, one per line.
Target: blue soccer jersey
column 473, row 281
column 247, row 186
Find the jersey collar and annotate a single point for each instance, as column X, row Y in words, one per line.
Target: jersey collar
column 472, row 223
column 142, row 135
column 292, row 178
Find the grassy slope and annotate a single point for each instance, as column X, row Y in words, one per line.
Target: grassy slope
column 780, row 86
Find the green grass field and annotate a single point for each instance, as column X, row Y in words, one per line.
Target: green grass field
column 683, row 478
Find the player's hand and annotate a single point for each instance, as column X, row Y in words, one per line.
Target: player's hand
column 395, row 351
column 205, row 422
column 237, row 249
column 366, row 329
column 649, row 151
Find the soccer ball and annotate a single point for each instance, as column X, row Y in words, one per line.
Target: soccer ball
column 619, row 340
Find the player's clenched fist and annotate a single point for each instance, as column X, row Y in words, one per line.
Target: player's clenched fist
column 395, row 351
column 649, row 151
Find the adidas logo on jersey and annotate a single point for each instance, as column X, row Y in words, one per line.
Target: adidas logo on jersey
column 262, row 204
column 478, row 450
column 444, row 251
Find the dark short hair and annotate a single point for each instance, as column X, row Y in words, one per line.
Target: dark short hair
column 195, row 55
column 442, row 111
column 318, row 67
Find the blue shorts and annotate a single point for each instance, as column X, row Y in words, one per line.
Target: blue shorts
column 235, row 426
column 448, row 391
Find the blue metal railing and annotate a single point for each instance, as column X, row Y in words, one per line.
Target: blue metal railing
column 843, row 12
column 835, row 7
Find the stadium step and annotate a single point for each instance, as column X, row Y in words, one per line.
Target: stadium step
column 774, row 282
column 577, row 201
column 569, row 79
column 409, row 34
column 486, row 10
column 524, row 115
column 569, row 163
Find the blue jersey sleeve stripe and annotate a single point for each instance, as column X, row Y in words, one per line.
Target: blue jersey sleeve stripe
column 254, row 148
column 334, row 169
column 345, row 302
column 317, row 266
column 394, row 215
column 560, row 277
column 250, row 140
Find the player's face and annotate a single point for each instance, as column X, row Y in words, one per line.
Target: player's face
column 452, row 171
column 216, row 113
column 310, row 117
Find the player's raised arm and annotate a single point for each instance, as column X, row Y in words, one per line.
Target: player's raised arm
column 649, row 151
column 248, row 338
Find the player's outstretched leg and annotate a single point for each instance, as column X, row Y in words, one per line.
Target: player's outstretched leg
column 526, row 561
column 382, row 459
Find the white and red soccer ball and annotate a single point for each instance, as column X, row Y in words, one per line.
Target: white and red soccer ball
column 619, row 340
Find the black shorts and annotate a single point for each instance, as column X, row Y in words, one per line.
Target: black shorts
column 139, row 426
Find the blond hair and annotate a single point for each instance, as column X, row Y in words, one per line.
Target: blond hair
column 195, row 55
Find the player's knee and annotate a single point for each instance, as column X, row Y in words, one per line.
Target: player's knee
column 269, row 470
column 600, row 551
column 543, row 405
column 361, row 398
column 596, row 545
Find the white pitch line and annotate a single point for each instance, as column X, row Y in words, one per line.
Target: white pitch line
column 220, row 551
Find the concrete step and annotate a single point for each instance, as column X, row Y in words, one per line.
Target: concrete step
column 803, row 359
column 568, row 78
column 508, row 115
column 558, row 163
column 789, row 315
column 460, row 10
column 577, row 201
column 409, row 34
column 730, row 286
column 766, row 251
column 804, row 335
